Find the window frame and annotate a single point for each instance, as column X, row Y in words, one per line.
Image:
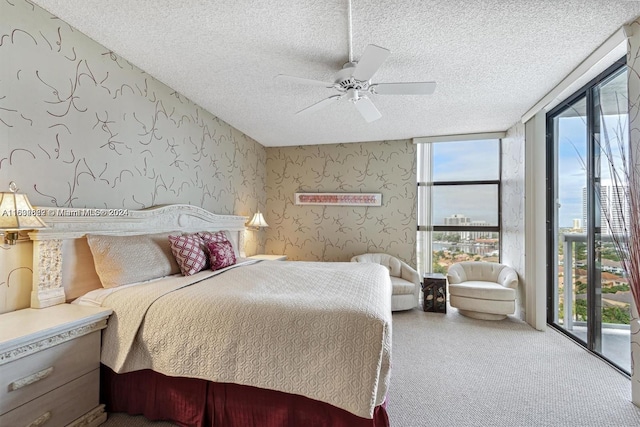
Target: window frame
column 427, row 154
column 589, row 93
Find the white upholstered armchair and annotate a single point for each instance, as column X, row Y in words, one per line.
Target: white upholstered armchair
column 405, row 281
column 482, row 290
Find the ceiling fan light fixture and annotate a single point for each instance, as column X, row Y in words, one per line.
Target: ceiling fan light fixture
column 354, row 81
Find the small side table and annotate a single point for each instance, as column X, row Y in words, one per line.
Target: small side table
column 434, row 288
column 265, row 257
column 50, row 366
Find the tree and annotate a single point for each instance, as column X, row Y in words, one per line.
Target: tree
column 454, row 238
column 616, row 315
column 581, row 251
column 437, row 268
column 581, row 288
column 580, row 310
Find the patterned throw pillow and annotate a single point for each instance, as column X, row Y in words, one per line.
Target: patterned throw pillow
column 188, row 253
column 209, row 237
column 221, row 254
column 219, row 236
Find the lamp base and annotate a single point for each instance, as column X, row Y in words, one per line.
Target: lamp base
column 10, row 237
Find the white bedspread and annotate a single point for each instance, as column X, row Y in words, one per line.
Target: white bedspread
column 321, row 330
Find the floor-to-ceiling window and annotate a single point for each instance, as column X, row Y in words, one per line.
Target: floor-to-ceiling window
column 589, row 297
column 458, row 203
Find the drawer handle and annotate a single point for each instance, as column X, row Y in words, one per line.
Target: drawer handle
column 40, row 420
column 23, row 382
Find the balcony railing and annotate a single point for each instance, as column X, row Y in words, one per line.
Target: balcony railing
column 568, row 241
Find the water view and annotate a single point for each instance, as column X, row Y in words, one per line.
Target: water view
column 452, row 247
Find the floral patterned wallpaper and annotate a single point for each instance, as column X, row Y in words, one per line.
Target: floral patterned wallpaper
column 512, row 251
column 82, row 127
column 336, row 233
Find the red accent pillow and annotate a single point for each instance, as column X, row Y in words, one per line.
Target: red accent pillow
column 189, row 254
column 221, row 254
column 208, row 237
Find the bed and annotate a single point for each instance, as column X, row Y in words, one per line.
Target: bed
column 264, row 343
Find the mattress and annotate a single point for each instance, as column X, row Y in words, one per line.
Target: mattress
column 319, row 330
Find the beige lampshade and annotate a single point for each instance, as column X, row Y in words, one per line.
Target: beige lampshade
column 16, row 212
column 257, row 221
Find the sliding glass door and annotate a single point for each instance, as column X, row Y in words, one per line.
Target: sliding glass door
column 569, row 129
column 589, row 297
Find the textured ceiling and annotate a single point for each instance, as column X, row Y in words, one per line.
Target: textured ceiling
column 492, row 59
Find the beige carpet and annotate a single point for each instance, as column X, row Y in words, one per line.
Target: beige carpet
column 449, row 370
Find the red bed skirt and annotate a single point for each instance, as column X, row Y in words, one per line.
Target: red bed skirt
column 196, row 402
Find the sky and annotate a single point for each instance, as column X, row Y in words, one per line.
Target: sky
column 572, row 146
column 465, row 160
column 478, row 160
column 571, row 171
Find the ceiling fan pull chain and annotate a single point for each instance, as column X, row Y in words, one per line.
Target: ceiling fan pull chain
column 350, row 34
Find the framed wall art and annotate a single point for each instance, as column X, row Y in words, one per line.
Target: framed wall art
column 339, row 199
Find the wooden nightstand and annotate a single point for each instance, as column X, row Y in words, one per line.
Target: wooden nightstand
column 269, row 257
column 50, row 366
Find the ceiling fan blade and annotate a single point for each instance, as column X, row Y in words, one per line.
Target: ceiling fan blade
column 304, row 81
column 367, row 109
column 320, row 105
column 415, row 88
column 371, row 60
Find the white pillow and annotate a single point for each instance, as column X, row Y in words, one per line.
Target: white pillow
column 120, row 260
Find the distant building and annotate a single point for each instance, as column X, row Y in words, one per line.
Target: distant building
column 474, row 235
column 577, row 224
column 457, row 219
column 614, row 208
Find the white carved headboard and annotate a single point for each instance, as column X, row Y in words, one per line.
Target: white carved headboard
column 62, row 262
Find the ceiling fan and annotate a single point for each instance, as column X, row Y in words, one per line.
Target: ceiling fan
column 354, row 82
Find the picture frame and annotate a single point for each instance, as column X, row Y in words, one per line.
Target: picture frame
column 339, row 199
